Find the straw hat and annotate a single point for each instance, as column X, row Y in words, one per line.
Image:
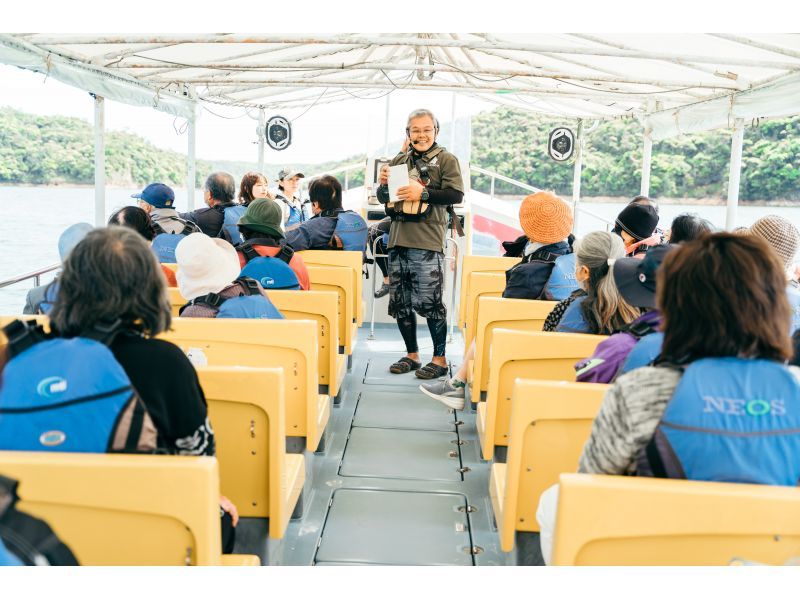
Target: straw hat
column 545, row 218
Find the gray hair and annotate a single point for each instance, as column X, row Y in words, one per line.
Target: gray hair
column 221, row 186
column 111, row 275
column 604, row 309
column 421, row 112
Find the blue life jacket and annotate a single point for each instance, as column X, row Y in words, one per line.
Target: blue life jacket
column 69, row 395
column 251, row 303
column 50, row 296
column 6, row 558
column 272, row 273
column 350, row 233
column 165, row 243
column 643, row 353
column 793, row 293
column 573, row 320
column 729, row 420
column 562, row 282
column 296, row 215
column 230, row 228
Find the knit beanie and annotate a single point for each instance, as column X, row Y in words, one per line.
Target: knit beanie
column 545, row 218
column 263, row 216
column 780, row 234
column 638, row 220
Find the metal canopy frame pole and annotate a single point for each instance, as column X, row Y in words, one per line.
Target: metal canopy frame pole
column 191, row 161
column 262, row 131
column 734, row 176
column 647, row 159
column 99, row 161
column 386, row 127
column 576, row 175
column 452, row 146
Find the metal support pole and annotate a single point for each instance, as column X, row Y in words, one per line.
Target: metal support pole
column 491, row 190
column 647, row 157
column 453, row 308
column 734, row 175
column 452, row 145
column 191, row 161
column 576, row 175
column 99, row 161
column 386, row 128
column 346, row 180
column 262, row 125
column 375, row 256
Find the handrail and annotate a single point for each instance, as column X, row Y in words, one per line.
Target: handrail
column 35, row 274
column 345, row 169
column 496, row 176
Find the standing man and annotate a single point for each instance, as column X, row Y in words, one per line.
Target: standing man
column 417, row 240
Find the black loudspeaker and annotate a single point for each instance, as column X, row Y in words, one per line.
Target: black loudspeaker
column 278, row 133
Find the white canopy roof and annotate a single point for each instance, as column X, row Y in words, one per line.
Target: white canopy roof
column 673, row 83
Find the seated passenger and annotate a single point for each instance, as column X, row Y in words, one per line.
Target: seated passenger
column 254, row 185
column 720, row 405
column 112, row 276
column 208, row 278
column 261, row 229
column 39, row 300
column 546, row 220
column 139, row 220
column 636, row 281
column 169, row 228
column 547, row 270
column 331, row 226
column 688, row 227
column 597, row 307
column 219, row 193
column 636, row 225
column 287, row 196
column 784, row 239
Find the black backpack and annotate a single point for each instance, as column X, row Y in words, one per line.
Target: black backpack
column 527, row 279
column 29, row 539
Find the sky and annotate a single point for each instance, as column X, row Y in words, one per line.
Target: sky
column 323, row 133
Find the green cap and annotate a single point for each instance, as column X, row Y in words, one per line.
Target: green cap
column 263, row 216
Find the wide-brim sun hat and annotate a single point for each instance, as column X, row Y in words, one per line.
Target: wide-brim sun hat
column 263, row 216
column 545, row 218
column 205, row 265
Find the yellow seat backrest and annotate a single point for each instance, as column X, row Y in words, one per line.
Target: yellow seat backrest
column 247, row 410
column 616, row 520
column 535, row 355
column 509, row 314
column 348, row 259
column 478, row 263
column 176, row 300
column 123, row 509
column 290, row 345
column 341, row 281
column 550, row 423
column 481, row 284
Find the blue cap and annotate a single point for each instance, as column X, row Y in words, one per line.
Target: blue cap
column 71, row 237
column 157, row 195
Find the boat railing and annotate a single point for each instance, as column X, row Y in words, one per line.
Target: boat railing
column 36, row 275
column 495, row 176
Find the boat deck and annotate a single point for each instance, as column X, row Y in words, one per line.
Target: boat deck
column 400, row 481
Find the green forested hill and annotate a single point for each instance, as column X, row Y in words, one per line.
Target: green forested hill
column 513, row 143
column 53, row 149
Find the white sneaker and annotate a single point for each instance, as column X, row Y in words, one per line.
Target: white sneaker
column 444, row 392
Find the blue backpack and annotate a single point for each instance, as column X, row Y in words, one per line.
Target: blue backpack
column 528, row 279
column 573, row 320
column 50, row 295
column 70, row 395
column 251, row 303
column 165, row 243
column 562, row 282
column 643, row 353
column 350, row 233
column 729, row 420
column 230, row 228
column 296, row 215
column 272, row 272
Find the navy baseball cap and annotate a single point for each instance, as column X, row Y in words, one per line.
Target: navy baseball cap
column 636, row 278
column 157, row 195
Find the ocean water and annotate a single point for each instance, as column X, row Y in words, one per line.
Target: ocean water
column 36, row 216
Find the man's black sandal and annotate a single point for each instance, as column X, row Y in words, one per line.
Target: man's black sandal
column 431, row 371
column 404, row 365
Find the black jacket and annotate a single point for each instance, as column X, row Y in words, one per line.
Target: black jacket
column 209, row 219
